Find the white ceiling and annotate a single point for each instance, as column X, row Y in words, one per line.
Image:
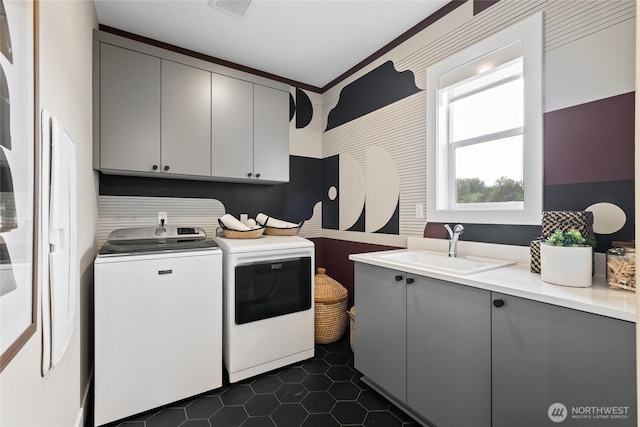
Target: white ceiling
column 307, row 41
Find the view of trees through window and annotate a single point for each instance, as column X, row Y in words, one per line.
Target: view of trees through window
column 475, row 190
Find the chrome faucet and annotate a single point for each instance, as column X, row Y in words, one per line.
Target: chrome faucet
column 454, row 235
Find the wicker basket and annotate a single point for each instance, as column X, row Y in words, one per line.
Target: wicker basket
column 273, row 231
column 352, row 329
column 235, row 234
column 330, row 308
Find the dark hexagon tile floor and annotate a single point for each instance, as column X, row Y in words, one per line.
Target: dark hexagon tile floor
column 325, row 391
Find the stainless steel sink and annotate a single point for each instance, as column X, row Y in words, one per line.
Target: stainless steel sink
column 440, row 261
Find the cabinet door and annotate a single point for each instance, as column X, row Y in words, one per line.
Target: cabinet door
column 448, row 352
column 271, row 137
column 129, row 110
column 380, row 353
column 544, row 355
column 186, row 120
column 232, row 127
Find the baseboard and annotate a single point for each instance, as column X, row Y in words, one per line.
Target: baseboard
column 85, row 409
column 396, row 402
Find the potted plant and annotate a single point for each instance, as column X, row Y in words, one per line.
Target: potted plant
column 566, row 258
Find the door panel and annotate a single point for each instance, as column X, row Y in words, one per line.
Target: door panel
column 186, row 120
column 232, row 127
column 129, row 110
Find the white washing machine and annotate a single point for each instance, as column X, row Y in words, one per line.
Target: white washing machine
column 158, row 319
column 268, row 303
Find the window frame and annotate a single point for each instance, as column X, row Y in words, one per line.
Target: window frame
column 440, row 184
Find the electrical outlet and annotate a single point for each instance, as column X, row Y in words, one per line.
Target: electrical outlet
column 161, row 216
column 244, row 218
column 419, row 211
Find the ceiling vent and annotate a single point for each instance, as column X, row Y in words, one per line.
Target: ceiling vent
column 237, row 8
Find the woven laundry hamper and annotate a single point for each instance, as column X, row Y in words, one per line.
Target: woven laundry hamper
column 330, row 308
column 352, row 323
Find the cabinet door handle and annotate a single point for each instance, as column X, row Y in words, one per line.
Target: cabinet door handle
column 399, row 278
column 409, row 280
column 257, row 175
column 497, row 303
column 154, row 167
column 166, row 168
column 249, row 174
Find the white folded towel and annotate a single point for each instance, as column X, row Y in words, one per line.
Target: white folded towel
column 230, row 222
column 251, row 223
column 273, row 222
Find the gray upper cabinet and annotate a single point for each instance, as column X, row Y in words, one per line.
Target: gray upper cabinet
column 129, row 110
column 271, row 134
column 250, row 126
column 162, row 114
column 186, row 120
column 232, row 124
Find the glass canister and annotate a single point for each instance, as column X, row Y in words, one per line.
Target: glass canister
column 621, row 266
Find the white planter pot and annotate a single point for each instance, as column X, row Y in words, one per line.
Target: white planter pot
column 567, row 266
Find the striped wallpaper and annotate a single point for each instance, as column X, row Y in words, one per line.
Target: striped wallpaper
column 132, row 211
column 399, row 128
column 574, row 77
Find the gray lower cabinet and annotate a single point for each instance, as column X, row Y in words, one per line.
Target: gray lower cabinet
column 460, row 356
column 129, row 110
column 448, row 352
column 545, row 355
column 381, row 339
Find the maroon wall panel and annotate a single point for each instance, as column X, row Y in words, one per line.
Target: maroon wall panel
column 335, row 259
column 480, row 5
column 592, row 142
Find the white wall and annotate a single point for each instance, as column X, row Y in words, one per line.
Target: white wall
column 65, row 83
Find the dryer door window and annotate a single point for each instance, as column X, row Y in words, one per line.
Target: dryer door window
column 272, row 288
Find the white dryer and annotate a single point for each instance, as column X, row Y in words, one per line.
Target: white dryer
column 268, row 303
column 158, row 319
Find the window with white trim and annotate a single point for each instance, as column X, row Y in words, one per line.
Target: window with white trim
column 484, row 130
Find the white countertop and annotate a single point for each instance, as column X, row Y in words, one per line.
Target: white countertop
column 517, row 280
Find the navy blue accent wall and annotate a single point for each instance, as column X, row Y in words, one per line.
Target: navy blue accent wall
column 292, row 201
column 563, row 197
column 330, row 178
column 393, row 226
column 304, row 109
column 566, row 197
column 292, row 107
column 376, row 89
column 519, row 235
column 359, row 225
